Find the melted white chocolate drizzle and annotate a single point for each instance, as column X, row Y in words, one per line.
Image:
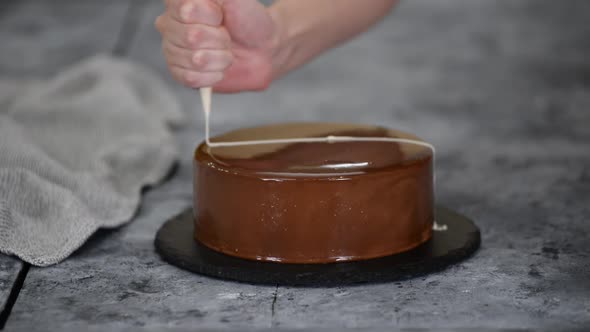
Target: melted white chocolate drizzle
column 206, row 98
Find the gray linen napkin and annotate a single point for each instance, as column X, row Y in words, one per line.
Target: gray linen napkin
column 75, row 152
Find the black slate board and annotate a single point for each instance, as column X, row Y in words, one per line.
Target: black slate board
column 175, row 244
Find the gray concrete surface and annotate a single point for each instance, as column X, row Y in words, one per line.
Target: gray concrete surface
column 502, row 88
column 41, row 37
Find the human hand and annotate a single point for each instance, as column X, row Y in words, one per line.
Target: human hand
column 227, row 44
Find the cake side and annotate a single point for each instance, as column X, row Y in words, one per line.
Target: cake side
column 366, row 216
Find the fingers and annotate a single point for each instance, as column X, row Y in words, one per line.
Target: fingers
column 196, row 45
column 206, row 12
column 196, row 69
column 192, row 36
column 203, row 60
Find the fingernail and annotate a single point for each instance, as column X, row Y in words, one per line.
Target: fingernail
column 186, row 11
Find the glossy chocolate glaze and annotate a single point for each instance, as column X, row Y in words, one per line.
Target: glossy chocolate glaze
column 313, row 202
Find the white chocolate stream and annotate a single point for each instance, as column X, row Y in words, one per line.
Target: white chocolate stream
column 206, row 99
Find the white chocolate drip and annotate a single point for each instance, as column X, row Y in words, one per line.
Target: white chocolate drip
column 206, row 101
column 206, row 96
column 439, row 227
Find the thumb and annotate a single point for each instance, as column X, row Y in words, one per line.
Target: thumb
column 247, row 21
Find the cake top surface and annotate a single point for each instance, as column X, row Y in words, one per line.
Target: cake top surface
column 312, row 160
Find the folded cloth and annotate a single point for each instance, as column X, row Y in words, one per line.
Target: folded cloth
column 75, row 152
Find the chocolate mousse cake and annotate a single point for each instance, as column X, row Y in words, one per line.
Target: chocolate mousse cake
column 318, row 202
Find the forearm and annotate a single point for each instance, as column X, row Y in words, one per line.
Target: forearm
column 309, row 27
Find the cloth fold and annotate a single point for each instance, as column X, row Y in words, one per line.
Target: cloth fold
column 75, row 151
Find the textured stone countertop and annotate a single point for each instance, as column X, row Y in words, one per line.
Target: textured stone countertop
column 502, row 88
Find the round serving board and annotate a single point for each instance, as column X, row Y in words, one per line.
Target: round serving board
column 176, row 245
